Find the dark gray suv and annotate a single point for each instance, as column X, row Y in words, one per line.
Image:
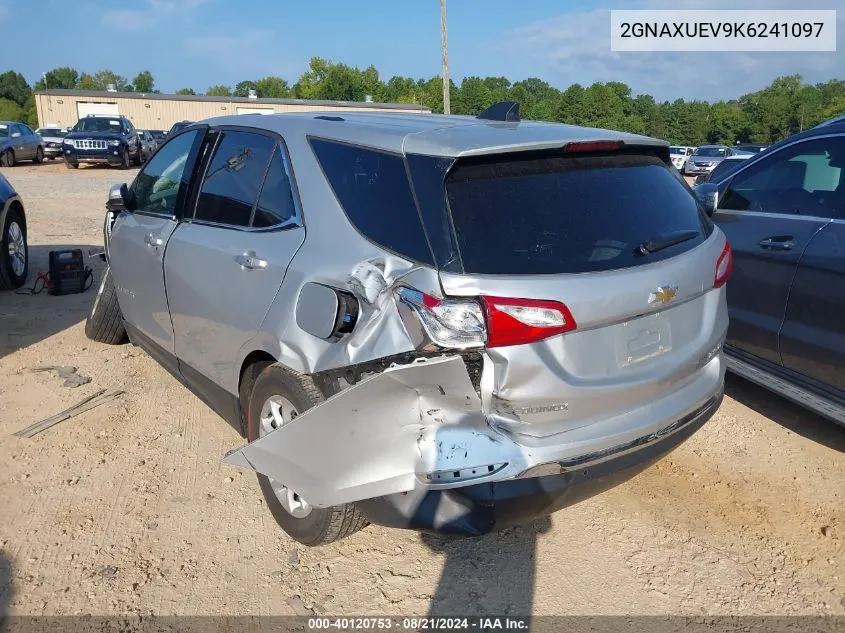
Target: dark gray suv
column 430, row 322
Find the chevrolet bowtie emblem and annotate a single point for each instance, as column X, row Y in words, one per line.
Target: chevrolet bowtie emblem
column 664, row 294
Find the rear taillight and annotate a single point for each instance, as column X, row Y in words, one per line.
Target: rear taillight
column 519, row 321
column 452, row 323
column 462, row 324
column 724, row 266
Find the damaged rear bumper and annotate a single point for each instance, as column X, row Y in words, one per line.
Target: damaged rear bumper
column 413, row 447
column 478, row 509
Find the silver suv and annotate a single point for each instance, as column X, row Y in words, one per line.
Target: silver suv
column 450, row 324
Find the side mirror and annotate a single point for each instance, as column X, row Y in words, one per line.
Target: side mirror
column 708, row 194
column 120, row 198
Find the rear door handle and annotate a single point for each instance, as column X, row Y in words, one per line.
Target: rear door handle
column 778, row 243
column 250, row 261
column 153, row 240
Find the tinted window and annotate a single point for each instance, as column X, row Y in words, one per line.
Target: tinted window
column 723, row 169
column 275, row 204
column 569, row 215
column 157, row 186
column 711, row 152
column 233, row 178
column 98, row 124
column 27, row 130
column 52, row 131
column 373, row 189
column 802, row 179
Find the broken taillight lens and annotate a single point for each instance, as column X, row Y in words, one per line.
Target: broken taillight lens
column 724, row 267
column 462, row 324
column 451, row 323
column 520, row 321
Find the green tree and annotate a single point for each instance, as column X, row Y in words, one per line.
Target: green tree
column 272, row 88
column 401, row 90
column 105, row 78
column 243, row 88
column 537, row 99
column 572, row 108
column 473, row 96
column 13, row 86
column 219, row 91
column 63, row 77
column 10, row 110
column 87, row 82
column 144, row 82
column 185, row 91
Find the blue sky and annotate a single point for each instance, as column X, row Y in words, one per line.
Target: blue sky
column 198, row 43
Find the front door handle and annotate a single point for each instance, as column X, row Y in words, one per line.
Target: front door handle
column 778, row 243
column 153, row 240
column 250, row 261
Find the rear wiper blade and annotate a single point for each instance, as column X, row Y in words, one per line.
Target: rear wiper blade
column 665, row 241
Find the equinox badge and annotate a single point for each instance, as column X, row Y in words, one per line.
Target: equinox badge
column 664, row 294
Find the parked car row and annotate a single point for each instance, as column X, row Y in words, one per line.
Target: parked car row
column 100, row 139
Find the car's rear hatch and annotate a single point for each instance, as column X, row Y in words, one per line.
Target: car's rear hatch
column 618, row 239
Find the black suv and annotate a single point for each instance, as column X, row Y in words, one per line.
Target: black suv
column 105, row 139
column 783, row 211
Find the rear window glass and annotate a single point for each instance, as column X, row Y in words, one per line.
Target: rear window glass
column 570, row 215
column 373, row 189
column 233, row 178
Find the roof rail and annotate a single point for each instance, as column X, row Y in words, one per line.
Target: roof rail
column 502, row 111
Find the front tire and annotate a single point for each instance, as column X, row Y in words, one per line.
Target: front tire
column 70, row 165
column 139, row 157
column 14, row 252
column 277, row 397
column 105, row 321
column 8, row 159
column 124, row 159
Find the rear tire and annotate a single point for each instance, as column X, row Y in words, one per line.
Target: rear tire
column 70, row 165
column 105, row 321
column 321, row 525
column 14, row 253
column 39, row 156
column 8, row 158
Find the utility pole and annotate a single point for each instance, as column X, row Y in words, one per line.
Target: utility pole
column 444, row 56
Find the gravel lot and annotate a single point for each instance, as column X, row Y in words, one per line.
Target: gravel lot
column 129, row 509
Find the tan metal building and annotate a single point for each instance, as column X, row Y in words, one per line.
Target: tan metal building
column 159, row 111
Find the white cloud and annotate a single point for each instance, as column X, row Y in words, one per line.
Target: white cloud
column 575, row 47
column 147, row 16
column 236, row 52
column 127, row 19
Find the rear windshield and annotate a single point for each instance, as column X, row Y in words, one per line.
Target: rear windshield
column 570, row 215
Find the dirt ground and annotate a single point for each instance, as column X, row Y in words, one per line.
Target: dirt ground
column 128, row 508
